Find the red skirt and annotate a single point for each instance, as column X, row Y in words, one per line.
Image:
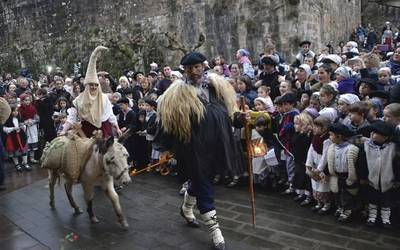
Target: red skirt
column 88, row 129
column 15, row 144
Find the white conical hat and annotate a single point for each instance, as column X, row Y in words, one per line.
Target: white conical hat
column 91, row 72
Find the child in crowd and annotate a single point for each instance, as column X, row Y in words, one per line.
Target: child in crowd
column 301, row 141
column 344, row 80
column 328, row 102
column 151, row 128
column 319, row 144
column 30, row 118
column 286, row 132
column 385, row 81
column 141, row 104
column 61, row 121
column 359, row 124
column 285, row 87
column 15, row 142
column 244, row 87
column 61, row 110
column 126, row 118
column 344, row 103
column 379, row 172
column 314, row 101
column 264, row 92
column 343, row 181
column 392, row 115
column 305, row 100
column 376, row 111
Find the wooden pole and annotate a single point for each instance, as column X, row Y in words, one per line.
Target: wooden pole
column 247, row 131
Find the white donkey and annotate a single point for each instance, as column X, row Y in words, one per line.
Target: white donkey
column 107, row 162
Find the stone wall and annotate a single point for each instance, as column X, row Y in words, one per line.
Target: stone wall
column 36, row 33
column 377, row 14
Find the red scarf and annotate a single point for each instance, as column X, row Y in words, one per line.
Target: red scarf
column 27, row 111
column 318, row 142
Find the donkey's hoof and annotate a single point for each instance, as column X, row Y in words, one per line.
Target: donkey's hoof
column 94, row 220
column 124, row 224
column 78, row 211
column 52, row 205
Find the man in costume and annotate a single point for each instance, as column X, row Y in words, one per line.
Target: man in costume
column 92, row 109
column 195, row 119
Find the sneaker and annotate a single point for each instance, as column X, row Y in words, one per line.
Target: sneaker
column 288, row 191
column 19, row 168
column 338, row 212
column 234, row 182
column 345, row 216
column 27, row 167
column 308, row 201
column 299, row 198
column 325, row 209
column 317, row 207
column 33, row 161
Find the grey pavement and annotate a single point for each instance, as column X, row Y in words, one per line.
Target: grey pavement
column 151, row 204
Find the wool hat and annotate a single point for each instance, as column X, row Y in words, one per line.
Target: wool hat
column 352, row 44
column 263, row 101
column 349, row 98
column 192, row 58
column 177, row 74
column 312, row 112
column 332, row 58
column 91, row 72
column 370, row 82
column 269, row 60
column 343, row 71
column 382, row 128
column 244, row 52
column 151, row 102
column 385, row 69
column 306, row 68
column 123, row 78
column 153, row 65
column 340, row 129
column 289, row 98
column 136, row 74
column 304, row 42
column 123, row 100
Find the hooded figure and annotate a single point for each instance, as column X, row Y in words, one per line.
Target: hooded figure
column 92, row 108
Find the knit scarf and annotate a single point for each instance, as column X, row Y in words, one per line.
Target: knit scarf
column 27, row 111
column 318, row 142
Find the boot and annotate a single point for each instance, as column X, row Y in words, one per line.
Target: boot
column 210, row 219
column 385, row 216
column 187, row 210
column 372, row 214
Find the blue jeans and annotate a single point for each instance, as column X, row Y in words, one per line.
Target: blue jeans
column 203, row 190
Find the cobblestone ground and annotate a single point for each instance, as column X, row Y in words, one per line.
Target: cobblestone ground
column 151, row 205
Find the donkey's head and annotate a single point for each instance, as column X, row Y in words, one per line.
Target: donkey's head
column 115, row 160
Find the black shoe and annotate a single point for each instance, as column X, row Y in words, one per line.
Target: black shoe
column 220, row 246
column 233, row 183
column 370, row 223
column 191, row 223
column 387, row 225
column 19, row 168
column 316, row 208
column 27, row 167
column 308, row 201
column 2, row 187
column 299, row 198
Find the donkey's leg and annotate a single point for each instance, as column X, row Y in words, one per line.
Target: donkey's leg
column 88, row 193
column 113, row 196
column 52, row 182
column 68, row 190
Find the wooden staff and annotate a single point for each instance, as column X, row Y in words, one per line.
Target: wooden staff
column 247, row 131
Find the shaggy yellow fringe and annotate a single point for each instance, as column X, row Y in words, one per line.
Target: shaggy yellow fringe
column 180, row 105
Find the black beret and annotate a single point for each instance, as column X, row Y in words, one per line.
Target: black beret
column 370, row 82
column 151, row 102
column 288, row 97
column 305, row 42
column 340, row 129
column 192, row 58
column 136, row 74
column 268, row 60
column 380, row 94
column 382, row 128
column 123, row 100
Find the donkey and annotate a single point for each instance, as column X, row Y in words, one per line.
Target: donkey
column 107, row 162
